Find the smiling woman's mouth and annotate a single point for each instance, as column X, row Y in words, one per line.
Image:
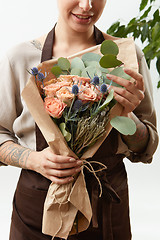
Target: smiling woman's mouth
column 82, row 18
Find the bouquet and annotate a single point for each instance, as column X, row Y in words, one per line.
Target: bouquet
column 75, row 110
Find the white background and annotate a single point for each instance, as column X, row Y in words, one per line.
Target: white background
column 25, row 20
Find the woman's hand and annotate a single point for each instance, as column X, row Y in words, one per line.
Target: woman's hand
column 59, row 169
column 133, row 92
column 130, row 97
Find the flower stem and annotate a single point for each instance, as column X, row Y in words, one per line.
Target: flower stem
column 96, row 111
column 69, row 112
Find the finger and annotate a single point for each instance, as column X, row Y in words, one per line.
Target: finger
column 130, row 86
column 63, row 173
column 135, row 98
column 61, row 181
column 58, row 158
column 53, row 165
column 128, row 106
column 138, row 77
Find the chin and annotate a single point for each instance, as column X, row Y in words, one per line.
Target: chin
column 81, row 28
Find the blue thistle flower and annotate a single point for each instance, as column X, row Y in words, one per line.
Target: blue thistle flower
column 34, row 71
column 95, row 80
column 103, row 88
column 75, row 89
column 41, row 76
column 77, row 105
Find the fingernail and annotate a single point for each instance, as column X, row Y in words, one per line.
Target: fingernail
column 79, row 162
column 126, row 69
column 71, row 179
column 72, row 160
column 108, row 76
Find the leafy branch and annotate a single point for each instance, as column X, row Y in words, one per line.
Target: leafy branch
column 145, row 27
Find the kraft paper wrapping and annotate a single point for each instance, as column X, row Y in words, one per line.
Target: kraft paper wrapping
column 63, row 202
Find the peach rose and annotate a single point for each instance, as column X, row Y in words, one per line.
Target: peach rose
column 81, row 80
column 65, row 95
column 54, row 106
column 51, row 89
column 66, row 78
column 87, row 94
column 97, row 91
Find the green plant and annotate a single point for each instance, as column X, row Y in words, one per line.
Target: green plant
column 145, row 27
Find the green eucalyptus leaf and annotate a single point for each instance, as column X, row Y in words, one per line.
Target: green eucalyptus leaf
column 109, row 47
column 124, row 125
column 77, row 63
column 56, row 70
column 92, row 64
column 76, row 71
column 96, row 65
column 98, row 72
column 119, row 72
column 110, row 61
column 107, row 101
column 66, row 134
column 64, row 63
column 91, row 57
column 104, row 70
column 89, row 72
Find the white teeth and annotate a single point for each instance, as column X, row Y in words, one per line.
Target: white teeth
column 82, row 17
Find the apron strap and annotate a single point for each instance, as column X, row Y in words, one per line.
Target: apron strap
column 47, row 49
column 46, row 55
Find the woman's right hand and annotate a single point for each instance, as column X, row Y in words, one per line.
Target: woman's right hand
column 59, row 169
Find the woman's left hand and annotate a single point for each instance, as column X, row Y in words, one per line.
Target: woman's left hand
column 133, row 92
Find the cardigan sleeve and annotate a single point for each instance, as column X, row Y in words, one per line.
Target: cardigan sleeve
column 16, row 123
column 8, row 111
column 147, row 114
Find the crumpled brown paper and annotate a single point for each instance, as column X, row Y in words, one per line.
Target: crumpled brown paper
column 63, row 202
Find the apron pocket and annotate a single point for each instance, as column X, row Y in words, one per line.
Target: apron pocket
column 28, row 212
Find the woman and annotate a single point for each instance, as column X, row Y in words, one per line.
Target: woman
column 22, row 145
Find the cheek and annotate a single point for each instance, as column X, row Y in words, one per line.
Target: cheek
column 99, row 7
column 66, row 5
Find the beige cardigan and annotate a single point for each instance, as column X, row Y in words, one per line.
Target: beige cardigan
column 17, row 124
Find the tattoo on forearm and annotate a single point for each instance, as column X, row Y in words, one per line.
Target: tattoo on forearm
column 15, row 155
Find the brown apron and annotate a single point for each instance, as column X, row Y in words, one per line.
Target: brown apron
column 110, row 219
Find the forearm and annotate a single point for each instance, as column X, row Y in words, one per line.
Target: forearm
column 15, row 155
column 137, row 142
column 57, row 168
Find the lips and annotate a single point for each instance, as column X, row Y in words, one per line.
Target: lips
column 82, row 18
